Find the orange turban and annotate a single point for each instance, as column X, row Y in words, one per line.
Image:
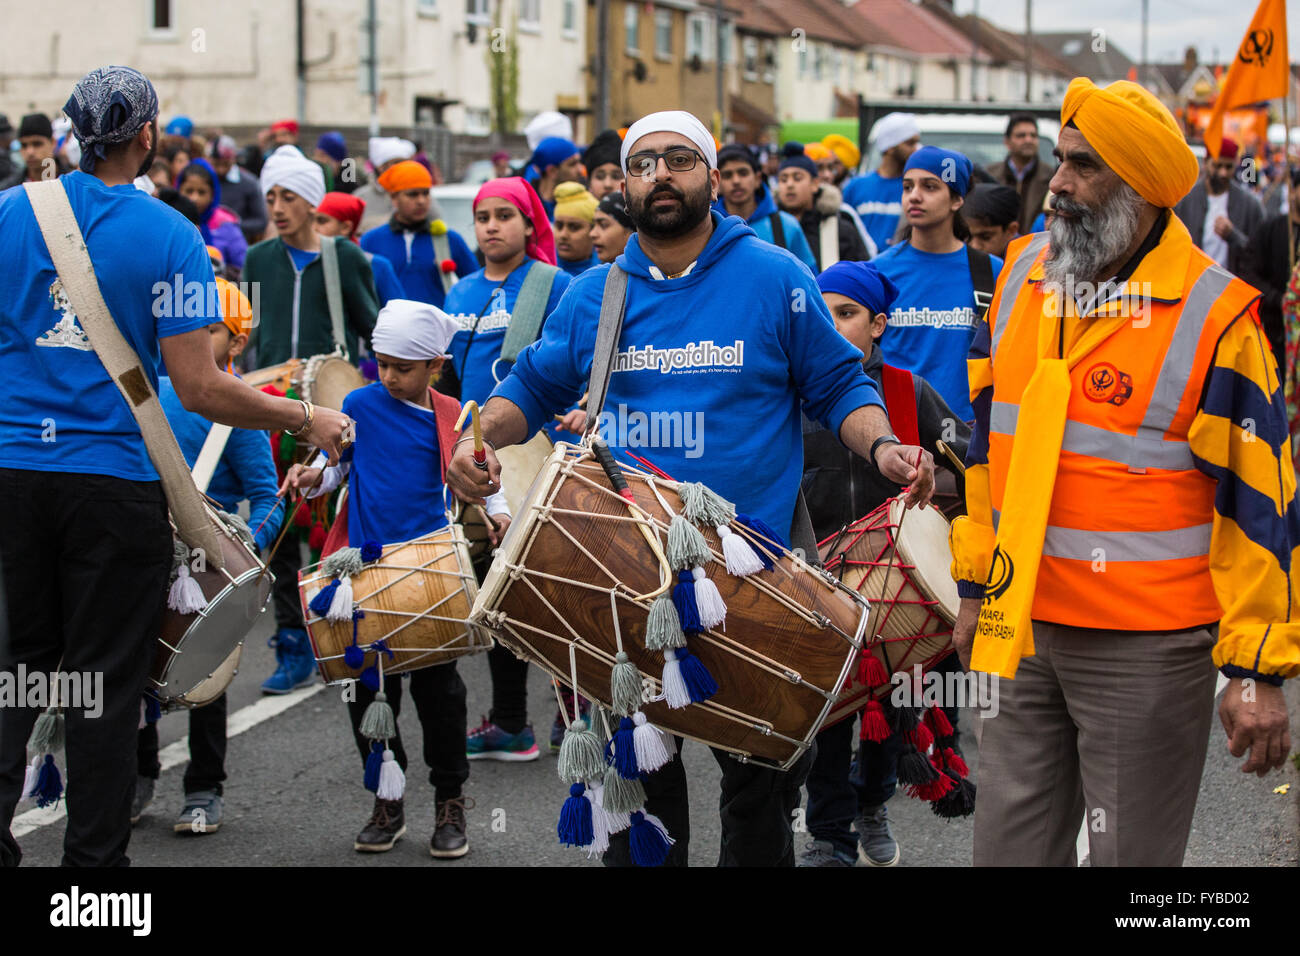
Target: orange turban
column 407, row 174
column 817, row 152
column 236, row 310
column 1136, row 136
column 845, row 150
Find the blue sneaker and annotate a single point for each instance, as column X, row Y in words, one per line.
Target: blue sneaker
column 296, row 662
column 490, row 742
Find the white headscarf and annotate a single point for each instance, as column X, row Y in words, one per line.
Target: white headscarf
column 289, row 168
column 385, row 148
column 894, row 128
column 546, row 124
column 412, row 330
column 671, row 121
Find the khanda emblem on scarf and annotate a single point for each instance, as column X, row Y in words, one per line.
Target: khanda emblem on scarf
column 1001, row 571
column 1105, row 383
column 1257, row 47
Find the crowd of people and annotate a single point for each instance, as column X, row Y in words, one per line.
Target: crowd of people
column 939, row 302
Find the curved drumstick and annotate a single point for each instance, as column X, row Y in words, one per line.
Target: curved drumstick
column 952, row 456
column 640, row 518
column 288, row 521
column 470, row 410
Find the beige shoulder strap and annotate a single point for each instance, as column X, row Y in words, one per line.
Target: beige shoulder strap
column 205, row 466
column 71, row 260
column 329, row 261
column 830, row 241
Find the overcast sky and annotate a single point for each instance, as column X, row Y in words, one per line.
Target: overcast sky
column 1174, row 24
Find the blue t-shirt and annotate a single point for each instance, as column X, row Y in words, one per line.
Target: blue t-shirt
column 301, row 257
column 878, row 202
column 59, row 410
column 713, row 368
column 483, row 312
column 395, row 482
column 245, row 469
column 386, row 282
column 576, row 267
column 414, row 262
column 932, row 320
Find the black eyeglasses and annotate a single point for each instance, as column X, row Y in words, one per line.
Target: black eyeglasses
column 680, row 159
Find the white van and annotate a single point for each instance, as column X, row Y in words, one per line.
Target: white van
column 978, row 136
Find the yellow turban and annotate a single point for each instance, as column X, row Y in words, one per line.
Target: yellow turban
column 573, row 200
column 1136, row 136
column 817, row 152
column 845, row 150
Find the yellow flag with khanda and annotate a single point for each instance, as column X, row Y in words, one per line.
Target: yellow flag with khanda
column 1260, row 70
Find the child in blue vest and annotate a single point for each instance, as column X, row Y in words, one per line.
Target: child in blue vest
column 405, row 435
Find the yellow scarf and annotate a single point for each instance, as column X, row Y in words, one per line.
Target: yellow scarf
column 1005, row 633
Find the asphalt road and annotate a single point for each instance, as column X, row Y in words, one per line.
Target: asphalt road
column 294, row 797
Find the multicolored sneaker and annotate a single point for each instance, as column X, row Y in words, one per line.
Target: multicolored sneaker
column 490, row 742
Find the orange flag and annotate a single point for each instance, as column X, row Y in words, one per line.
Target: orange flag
column 1259, row 71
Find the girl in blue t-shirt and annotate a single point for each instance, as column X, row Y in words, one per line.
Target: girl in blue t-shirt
column 932, row 320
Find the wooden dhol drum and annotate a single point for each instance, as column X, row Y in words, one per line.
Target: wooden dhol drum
column 322, row 379
column 519, row 466
column 899, row 560
column 415, row 599
column 198, row 654
column 790, row 637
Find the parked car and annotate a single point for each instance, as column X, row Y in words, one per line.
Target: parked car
column 455, row 202
column 980, row 137
column 480, row 171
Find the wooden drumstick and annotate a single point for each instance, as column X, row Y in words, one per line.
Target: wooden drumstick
column 288, row 521
column 480, row 453
column 951, row 455
column 488, row 519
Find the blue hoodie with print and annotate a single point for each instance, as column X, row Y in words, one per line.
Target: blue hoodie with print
column 712, row 369
column 760, row 220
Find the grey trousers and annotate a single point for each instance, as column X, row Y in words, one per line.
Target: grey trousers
column 1109, row 728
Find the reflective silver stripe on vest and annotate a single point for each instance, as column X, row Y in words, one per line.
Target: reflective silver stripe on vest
column 1079, row 545
column 1011, row 288
column 1176, row 370
column 1095, row 442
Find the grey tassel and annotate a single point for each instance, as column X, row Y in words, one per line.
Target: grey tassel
column 597, row 725
column 687, row 547
column 343, row 563
column 663, row 628
column 621, row 794
column 624, row 686
column 378, row 723
column 581, row 757
column 704, row 506
column 48, row 733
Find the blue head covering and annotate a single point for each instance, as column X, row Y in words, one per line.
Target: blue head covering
column 793, row 157
column 180, row 126
column 108, row 106
column 950, row 166
column 551, row 152
column 333, row 146
column 862, row 282
column 201, row 167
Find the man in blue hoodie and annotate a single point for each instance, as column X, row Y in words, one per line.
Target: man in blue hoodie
column 743, row 193
column 732, row 331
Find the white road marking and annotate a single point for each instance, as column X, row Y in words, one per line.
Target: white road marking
column 1081, row 844
column 175, row 754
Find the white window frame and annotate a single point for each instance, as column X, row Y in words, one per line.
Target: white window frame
column 765, row 48
column 569, row 20
column 728, row 32
column 663, row 17
column 426, row 8
column 529, row 24
column 477, row 121
column 705, row 47
column 803, row 62
column 750, row 54
column 631, row 28
column 478, row 12
column 819, row 62
column 154, row 32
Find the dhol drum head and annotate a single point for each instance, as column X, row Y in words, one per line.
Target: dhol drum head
column 520, row 464
column 327, row 379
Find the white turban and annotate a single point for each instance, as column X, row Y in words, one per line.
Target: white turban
column 546, row 124
column 671, row 121
column 412, row 330
column 386, row 148
column 289, row 168
column 894, row 128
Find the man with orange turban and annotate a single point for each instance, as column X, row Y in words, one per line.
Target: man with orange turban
column 426, row 255
column 1133, row 522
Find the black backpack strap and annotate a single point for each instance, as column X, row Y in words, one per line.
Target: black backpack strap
column 778, row 229
column 981, row 277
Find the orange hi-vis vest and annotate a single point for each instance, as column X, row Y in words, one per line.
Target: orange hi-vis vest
column 1128, row 536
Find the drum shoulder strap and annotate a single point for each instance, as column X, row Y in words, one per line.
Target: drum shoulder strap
column 71, row 259
column 778, row 229
column 982, row 280
column 205, row 466
column 530, row 310
column 900, row 403
column 613, row 307
column 329, row 260
column 441, row 253
column 829, row 240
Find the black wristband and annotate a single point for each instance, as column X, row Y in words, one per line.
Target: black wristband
column 882, row 440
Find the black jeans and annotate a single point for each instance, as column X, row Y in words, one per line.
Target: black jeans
column 838, row 790
column 756, row 807
column 439, row 696
column 509, row 689
column 86, row 560
column 284, row 592
column 207, row 769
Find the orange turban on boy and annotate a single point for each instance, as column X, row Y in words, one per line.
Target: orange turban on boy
column 407, row 174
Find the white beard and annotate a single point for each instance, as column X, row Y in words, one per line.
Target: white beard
column 1083, row 245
